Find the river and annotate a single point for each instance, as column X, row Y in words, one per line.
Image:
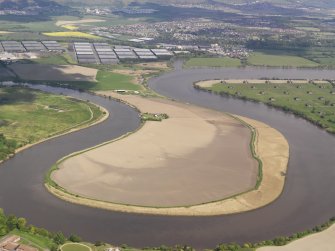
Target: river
column 308, row 198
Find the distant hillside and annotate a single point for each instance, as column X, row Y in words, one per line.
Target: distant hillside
column 31, row 4
column 124, row 2
column 284, row 3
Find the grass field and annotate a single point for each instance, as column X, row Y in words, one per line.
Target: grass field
column 114, row 81
column 213, row 62
column 264, row 59
column 75, row 247
column 315, row 102
column 107, row 81
column 73, row 34
column 28, row 116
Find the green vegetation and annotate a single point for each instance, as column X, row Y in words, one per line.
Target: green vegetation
column 106, row 81
column 277, row 60
column 28, row 116
column 153, row 117
column 114, row 81
column 75, row 247
column 313, row 101
column 34, row 240
column 213, row 62
column 7, row 147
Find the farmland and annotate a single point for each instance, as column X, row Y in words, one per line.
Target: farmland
column 277, row 60
column 313, row 101
column 73, row 34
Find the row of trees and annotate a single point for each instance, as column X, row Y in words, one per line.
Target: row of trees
column 11, row 222
column 278, row 241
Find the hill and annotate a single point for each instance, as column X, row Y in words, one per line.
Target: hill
column 282, row 3
column 31, row 4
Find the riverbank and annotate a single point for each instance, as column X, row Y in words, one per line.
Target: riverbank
column 20, row 118
column 270, row 146
column 318, row 241
column 311, row 100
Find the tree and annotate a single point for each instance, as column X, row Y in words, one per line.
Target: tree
column 99, row 243
column 54, row 248
column 11, row 222
column 59, row 238
column 74, row 238
column 21, row 223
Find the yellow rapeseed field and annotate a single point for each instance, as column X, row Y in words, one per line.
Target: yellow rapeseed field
column 71, row 34
column 70, row 27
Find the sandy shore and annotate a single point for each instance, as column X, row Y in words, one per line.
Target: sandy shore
column 324, row 241
column 182, row 150
column 54, row 72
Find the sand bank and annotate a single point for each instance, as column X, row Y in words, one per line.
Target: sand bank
column 197, row 156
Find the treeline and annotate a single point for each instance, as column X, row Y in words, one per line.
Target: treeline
column 11, row 222
column 278, row 241
column 7, row 147
column 290, row 44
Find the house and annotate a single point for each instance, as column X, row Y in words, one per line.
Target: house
column 11, row 243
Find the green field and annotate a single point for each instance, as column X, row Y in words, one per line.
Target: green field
column 28, row 116
column 314, row 102
column 264, row 59
column 107, row 81
column 213, row 62
column 75, row 247
column 114, row 81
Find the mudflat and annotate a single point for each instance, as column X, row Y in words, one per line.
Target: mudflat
column 195, row 156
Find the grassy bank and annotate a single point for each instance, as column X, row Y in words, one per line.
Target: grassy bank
column 28, row 116
column 213, row 62
column 314, row 102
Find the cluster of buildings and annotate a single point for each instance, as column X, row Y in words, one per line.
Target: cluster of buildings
column 29, row 46
column 192, row 26
column 12, row 243
column 13, row 12
column 15, row 50
column 103, row 53
column 134, row 11
column 128, row 11
column 215, row 49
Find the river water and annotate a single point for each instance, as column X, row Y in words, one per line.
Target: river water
column 308, row 198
